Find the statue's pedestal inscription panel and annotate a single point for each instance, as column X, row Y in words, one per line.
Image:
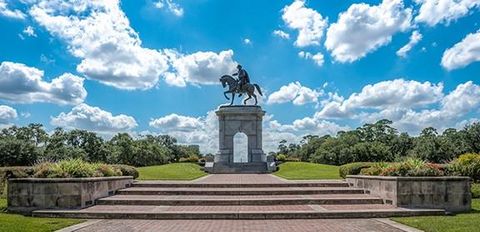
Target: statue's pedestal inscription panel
column 240, row 119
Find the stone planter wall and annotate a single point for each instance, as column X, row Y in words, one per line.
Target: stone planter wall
column 28, row 194
column 451, row 193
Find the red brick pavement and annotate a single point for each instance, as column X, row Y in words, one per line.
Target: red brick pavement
column 330, row 225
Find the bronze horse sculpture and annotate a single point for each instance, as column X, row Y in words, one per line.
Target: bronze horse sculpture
column 235, row 88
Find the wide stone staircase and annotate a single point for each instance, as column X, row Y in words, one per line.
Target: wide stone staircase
column 239, row 197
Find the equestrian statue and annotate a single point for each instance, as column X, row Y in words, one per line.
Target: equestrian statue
column 240, row 86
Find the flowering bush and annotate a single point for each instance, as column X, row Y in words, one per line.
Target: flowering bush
column 466, row 165
column 78, row 168
column 409, row 167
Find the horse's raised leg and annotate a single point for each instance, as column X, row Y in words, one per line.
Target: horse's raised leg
column 249, row 97
column 225, row 94
column 233, row 97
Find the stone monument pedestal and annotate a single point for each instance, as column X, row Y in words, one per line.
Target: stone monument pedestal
column 240, row 119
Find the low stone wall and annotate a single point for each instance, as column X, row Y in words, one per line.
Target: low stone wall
column 28, row 194
column 451, row 193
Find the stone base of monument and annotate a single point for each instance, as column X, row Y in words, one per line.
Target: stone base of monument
column 240, row 119
column 250, row 168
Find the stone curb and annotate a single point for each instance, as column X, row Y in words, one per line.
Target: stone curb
column 397, row 225
column 79, row 226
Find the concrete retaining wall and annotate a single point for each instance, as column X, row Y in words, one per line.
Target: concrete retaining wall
column 451, row 193
column 28, row 194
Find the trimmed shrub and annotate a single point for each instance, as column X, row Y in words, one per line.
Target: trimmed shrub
column 281, row 158
column 190, row 159
column 292, row 159
column 466, row 165
column 475, row 189
column 127, row 170
column 353, row 168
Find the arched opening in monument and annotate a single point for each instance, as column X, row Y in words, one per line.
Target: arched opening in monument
column 240, row 148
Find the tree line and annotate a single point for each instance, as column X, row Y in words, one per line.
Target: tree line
column 24, row 146
column 381, row 142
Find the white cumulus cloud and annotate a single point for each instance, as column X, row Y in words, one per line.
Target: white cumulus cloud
column 177, row 123
column 29, row 31
column 386, row 94
column 294, row 92
column 433, row 12
column 318, row 58
column 6, row 11
column 7, row 114
column 281, row 34
column 95, row 119
column 463, row 53
column 174, row 8
column 110, row 50
column 22, row 84
column 309, row 23
column 364, row 28
column 414, row 39
column 199, row 67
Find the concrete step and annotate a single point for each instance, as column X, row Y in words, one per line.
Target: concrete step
column 332, row 199
column 237, row 212
column 238, row 191
column 165, row 184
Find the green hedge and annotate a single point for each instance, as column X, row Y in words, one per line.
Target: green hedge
column 353, row 168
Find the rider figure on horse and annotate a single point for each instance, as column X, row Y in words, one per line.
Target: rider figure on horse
column 243, row 77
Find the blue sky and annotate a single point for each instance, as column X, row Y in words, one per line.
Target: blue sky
column 152, row 66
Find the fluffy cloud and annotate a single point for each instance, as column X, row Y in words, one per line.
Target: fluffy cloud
column 99, row 33
column 397, row 93
column 463, row 99
column 318, row 58
column 411, row 105
column 22, row 84
column 364, row 28
column 202, row 131
column 7, row 114
column 111, row 51
column 414, row 39
column 9, row 13
column 199, row 67
column 309, row 23
column 177, row 123
column 294, row 92
column 92, row 118
column 463, row 53
column 174, row 8
column 29, row 31
column 433, row 12
column 281, row 34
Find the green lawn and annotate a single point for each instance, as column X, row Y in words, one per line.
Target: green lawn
column 465, row 222
column 15, row 222
column 175, row 171
column 307, row 171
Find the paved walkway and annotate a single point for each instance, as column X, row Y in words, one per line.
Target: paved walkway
column 330, row 225
column 357, row 225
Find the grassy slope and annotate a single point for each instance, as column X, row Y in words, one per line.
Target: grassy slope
column 14, row 222
column 175, row 171
column 307, row 171
column 460, row 223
